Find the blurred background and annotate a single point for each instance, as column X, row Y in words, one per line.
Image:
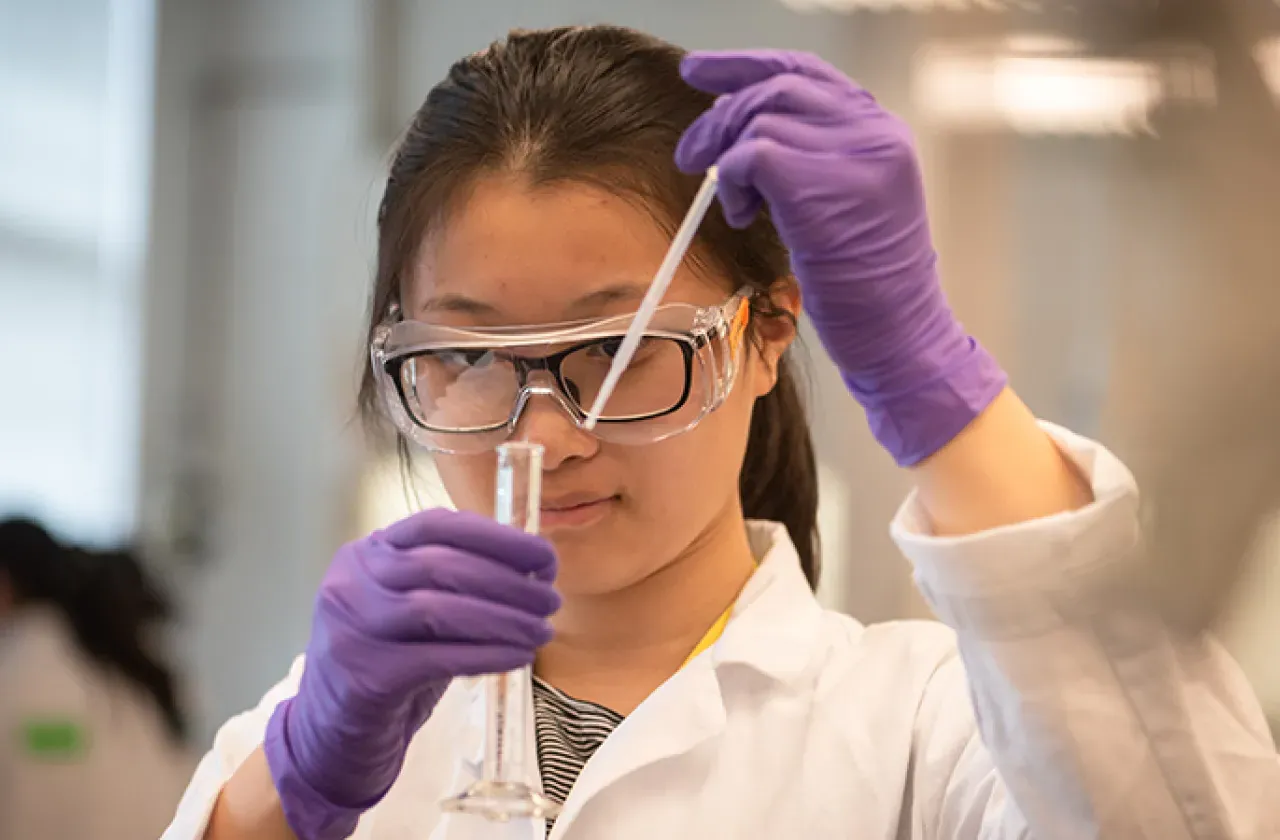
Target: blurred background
column 187, row 190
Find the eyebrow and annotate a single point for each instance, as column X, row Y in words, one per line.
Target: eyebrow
column 592, row 301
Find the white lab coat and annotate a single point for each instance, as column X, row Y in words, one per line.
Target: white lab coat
column 1080, row 717
column 123, row 784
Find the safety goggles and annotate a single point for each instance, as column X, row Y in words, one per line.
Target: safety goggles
column 462, row 390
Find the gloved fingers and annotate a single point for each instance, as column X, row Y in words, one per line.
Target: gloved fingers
column 451, row 570
column 429, row 616
column 740, row 204
column 471, row 532
column 802, row 173
column 730, row 71
column 750, row 172
column 462, row 573
column 713, row 133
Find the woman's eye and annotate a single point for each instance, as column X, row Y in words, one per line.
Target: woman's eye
column 609, row 348
column 605, row 349
column 464, row 358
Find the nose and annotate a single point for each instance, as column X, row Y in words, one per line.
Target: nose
column 546, row 419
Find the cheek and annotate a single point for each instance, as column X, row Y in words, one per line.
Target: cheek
column 469, row 480
column 689, row 478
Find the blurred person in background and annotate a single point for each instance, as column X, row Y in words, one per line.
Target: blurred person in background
column 92, row 744
column 686, row 682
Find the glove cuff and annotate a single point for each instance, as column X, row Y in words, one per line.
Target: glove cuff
column 310, row 814
column 917, row 421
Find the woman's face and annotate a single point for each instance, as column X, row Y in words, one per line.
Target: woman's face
column 616, row 513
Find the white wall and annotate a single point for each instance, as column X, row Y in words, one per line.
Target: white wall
column 75, row 117
column 1253, row 627
column 259, row 266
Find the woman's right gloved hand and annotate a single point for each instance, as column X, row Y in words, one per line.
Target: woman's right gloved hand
column 438, row 595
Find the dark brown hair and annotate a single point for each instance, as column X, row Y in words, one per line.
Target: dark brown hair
column 606, row 106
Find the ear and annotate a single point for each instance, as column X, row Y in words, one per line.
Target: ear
column 774, row 335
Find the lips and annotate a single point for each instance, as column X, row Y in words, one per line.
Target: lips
column 573, row 500
column 578, row 510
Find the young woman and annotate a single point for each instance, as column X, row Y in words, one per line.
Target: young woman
column 687, row 683
column 92, row 732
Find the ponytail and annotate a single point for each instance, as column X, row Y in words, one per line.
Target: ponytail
column 779, row 479
column 106, row 598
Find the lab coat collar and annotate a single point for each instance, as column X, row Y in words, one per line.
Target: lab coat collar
column 776, row 618
column 771, row 629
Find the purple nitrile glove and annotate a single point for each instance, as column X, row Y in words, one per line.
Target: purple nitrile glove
column 438, row 595
column 843, row 187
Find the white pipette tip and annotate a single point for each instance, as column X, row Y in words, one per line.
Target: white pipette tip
column 661, row 280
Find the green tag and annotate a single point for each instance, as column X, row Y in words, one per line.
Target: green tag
column 54, row 739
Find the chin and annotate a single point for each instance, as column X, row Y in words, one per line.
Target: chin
column 590, row 564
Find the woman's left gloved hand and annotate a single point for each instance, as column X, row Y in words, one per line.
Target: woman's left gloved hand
column 842, row 182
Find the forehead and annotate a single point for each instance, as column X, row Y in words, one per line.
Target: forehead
column 512, row 254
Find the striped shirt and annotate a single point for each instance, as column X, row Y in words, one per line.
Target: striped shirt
column 569, row 731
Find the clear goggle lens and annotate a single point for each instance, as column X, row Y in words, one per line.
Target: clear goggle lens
column 463, row 391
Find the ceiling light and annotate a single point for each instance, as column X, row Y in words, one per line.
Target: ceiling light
column 911, row 5
column 1037, row 94
column 1267, row 54
column 1034, row 86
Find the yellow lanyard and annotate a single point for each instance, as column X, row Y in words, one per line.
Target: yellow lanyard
column 709, row 638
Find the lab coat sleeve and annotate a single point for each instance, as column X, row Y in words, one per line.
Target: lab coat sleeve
column 235, row 742
column 1087, row 716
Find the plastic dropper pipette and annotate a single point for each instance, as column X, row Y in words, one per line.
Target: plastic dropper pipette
column 675, row 256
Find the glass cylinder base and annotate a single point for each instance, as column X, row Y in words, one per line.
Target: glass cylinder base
column 502, row 801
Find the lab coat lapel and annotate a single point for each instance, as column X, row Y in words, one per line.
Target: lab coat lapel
column 771, row 631
column 682, row 714
column 777, row 618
